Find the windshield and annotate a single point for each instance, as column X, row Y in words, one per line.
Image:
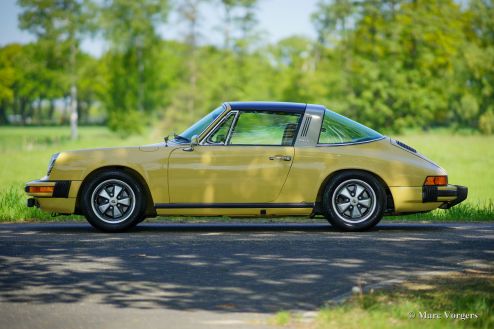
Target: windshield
column 337, row 129
column 198, row 127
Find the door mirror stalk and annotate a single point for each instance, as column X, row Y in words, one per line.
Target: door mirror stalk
column 194, row 141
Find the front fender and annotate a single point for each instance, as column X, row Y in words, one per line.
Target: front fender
column 151, row 166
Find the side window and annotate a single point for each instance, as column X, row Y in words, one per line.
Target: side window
column 337, row 129
column 219, row 136
column 265, row 128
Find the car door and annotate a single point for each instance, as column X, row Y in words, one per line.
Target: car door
column 245, row 159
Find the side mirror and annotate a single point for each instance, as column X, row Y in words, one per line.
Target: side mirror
column 194, row 141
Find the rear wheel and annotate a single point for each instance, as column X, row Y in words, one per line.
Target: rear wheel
column 113, row 201
column 354, row 201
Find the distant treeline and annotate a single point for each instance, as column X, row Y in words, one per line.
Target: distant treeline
column 390, row 64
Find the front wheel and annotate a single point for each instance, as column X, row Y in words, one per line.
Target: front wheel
column 354, row 201
column 113, row 201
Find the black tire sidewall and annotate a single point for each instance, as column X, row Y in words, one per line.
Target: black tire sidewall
column 140, row 201
column 331, row 214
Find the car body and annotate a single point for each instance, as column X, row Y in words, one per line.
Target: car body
column 250, row 159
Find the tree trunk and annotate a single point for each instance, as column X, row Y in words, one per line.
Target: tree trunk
column 227, row 25
column 140, row 75
column 73, row 93
column 51, row 110
column 3, row 112
column 22, row 110
column 193, row 83
column 15, row 107
column 84, row 107
column 190, row 12
column 193, row 67
column 73, row 111
column 39, row 110
column 30, row 111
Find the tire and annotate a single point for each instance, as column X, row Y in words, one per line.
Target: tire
column 354, row 201
column 113, row 213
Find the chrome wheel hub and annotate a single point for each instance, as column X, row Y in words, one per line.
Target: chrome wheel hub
column 354, row 201
column 113, row 201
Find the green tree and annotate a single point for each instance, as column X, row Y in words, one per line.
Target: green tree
column 27, row 80
column 190, row 14
column 475, row 65
column 92, row 85
column 396, row 60
column 59, row 25
column 331, row 20
column 131, row 29
column 7, row 79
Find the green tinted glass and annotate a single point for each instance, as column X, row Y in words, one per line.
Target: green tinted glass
column 265, row 128
column 198, row 127
column 337, row 129
column 221, row 133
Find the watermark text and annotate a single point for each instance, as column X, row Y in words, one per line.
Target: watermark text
column 424, row 315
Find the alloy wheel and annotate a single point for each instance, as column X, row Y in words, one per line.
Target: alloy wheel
column 354, row 201
column 113, row 201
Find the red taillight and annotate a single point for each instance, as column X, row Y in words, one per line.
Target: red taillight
column 436, row 180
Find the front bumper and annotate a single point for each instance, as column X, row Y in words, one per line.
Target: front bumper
column 53, row 189
column 450, row 195
column 56, row 196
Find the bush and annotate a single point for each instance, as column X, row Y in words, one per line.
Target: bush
column 486, row 123
column 125, row 123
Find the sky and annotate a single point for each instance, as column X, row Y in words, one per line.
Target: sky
column 277, row 19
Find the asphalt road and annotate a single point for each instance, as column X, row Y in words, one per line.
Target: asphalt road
column 211, row 275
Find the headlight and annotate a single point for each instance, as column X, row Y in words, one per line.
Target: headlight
column 52, row 163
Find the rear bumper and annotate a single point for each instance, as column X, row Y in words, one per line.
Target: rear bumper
column 449, row 195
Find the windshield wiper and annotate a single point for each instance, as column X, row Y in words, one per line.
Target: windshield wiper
column 181, row 138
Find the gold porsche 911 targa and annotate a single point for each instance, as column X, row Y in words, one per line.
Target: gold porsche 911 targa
column 249, row 159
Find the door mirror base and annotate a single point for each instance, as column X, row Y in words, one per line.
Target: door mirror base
column 194, row 141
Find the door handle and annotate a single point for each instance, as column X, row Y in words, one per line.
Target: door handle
column 281, row 157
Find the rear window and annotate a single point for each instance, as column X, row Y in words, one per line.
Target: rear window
column 337, row 129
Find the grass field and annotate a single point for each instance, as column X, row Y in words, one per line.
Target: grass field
column 25, row 155
column 26, row 151
column 469, row 160
column 457, row 300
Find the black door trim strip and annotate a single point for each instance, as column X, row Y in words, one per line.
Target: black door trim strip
column 232, row 205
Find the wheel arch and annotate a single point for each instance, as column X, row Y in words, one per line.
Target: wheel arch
column 150, row 210
column 389, row 207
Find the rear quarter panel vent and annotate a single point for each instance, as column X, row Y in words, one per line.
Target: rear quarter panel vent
column 306, row 125
column 406, row 147
column 410, row 149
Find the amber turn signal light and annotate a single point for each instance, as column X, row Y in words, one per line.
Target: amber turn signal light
column 41, row 189
column 436, row 180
